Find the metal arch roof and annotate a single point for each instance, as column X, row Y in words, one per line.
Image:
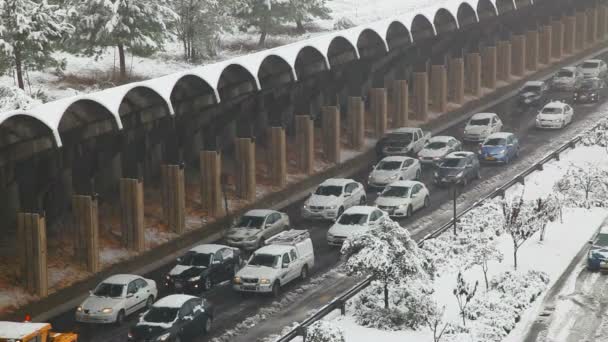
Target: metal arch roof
column 51, row 113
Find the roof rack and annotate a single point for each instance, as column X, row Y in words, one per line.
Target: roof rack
column 289, row 237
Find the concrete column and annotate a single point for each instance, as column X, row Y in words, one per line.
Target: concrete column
column 86, row 224
column 532, row 50
column 356, row 121
column 581, row 31
column 518, row 49
column 591, row 26
column 211, row 186
column 488, row 72
column 569, row 34
column 132, row 210
column 602, row 12
column 173, row 197
column 245, row 168
column 557, row 46
column 546, row 42
column 457, row 80
column 400, row 103
column 278, row 154
column 32, row 247
column 305, row 144
column 503, row 61
column 331, row 134
column 439, row 88
column 378, row 108
column 421, row 96
column 474, row 74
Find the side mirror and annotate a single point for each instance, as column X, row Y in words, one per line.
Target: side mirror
column 215, row 262
column 178, row 260
column 268, row 225
column 129, row 295
column 590, row 242
column 285, row 265
column 347, row 194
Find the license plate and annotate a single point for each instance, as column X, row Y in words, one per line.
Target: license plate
column 249, row 288
column 490, row 158
column 178, row 285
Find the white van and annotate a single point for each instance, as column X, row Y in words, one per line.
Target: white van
column 287, row 256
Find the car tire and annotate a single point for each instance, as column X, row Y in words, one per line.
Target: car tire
column 304, row 272
column 427, row 201
column 563, row 124
column 362, row 200
column 410, row 211
column 276, row 289
column 177, row 339
column 149, row 302
column 507, row 160
column 207, row 326
column 478, row 175
column 120, row 318
column 418, row 174
column 207, row 284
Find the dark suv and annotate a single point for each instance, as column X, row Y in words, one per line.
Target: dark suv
column 458, row 168
column 590, row 90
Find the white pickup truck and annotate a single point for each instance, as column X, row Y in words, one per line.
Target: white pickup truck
column 287, row 256
column 402, row 141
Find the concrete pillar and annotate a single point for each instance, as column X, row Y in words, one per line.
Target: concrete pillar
column 591, row 26
column 305, row 144
column 439, row 88
column 557, row 46
column 602, row 12
column 86, row 224
column 32, row 247
column 532, row 50
column 245, row 168
column 546, row 42
column 278, row 156
column 173, row 197
column 474, row 74
column 331, row 134
column 421, row 96
column 132, row 210
column 569, row 34
column 518, row 49
column 400, row 103
column 503, row 61
column 356, row 121
column 457, row 80
column 581, row 31
column 378, row 109
column 488, row 72
column 211, row 186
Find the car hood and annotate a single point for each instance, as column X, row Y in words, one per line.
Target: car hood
column 382, row 175
column 599, row 252
column 492, row 149
column 242, row 232
column 392, row 201
column 563, row 80
column 325, row 201
column 186, row 271
column 258, row 272
column 347, row 230
column 448, row 171
column 550, row 117
column 95, row 304
column 428, row 153
column 147, row 331
column 476, row 129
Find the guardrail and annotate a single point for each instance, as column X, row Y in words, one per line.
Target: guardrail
column 339, row 303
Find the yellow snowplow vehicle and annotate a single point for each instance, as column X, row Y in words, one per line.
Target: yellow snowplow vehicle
column 32, row 332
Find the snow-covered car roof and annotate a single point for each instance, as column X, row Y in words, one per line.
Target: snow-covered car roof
column 568, row 68
column 460, row 154
column 400, row 159
column 207, row 248
column 483, row 116
column 260, row 212
column 18, row 330
column 336, row 182
column 533, row 84
column 173, row 301
column 402, row 130
column 405, row 183
column 360, row 209
column 274, row 249
column 121, row 279
column 555, row 104
column 499, row 135
column 592, row 61
column 441, row 138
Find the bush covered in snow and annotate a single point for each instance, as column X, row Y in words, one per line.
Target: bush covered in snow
column 584, row 186
column 324, row 331
column 521, row 288
column 14, row 98
column 343, row 24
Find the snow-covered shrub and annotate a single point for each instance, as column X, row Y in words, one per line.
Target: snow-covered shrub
column 583, row 186
column 14, row 98
column 597, row 136
column 324, row 331
column 521, row 288
column 343, row 24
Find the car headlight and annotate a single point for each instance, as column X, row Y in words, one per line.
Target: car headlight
column 403, row 206
column 106, row 310
column 332, row 207
column 197, row 278
column 436, row 174
column 251, row 238
column 460, row 174
column 236, row 280
column 330, row 235
column 168, row 277
column 305, row 205
column 163, row 337
column 393, row 177
column 79, row 309
column 264, row 281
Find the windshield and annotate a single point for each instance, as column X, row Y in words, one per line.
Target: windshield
column 396, row 191
column 264, row 260
column 161, row 315
column 495, row 142
column 453, row 162
column 195, row 259
column 531, row 89
column 479, row 122
column 109, row 290
column 388, row 165
column 589, row 84
column 552, row 110
column 400, row 136
column 564, row 73
column 437, row 145
column 254, row 222
column 353, row 219
column 329, row 190
column 602, row 240
column 590, row 65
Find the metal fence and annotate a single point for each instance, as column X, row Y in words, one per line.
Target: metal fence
column 339, row 303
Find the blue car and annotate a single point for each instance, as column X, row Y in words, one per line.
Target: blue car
column 597, row 258
column 499, row 147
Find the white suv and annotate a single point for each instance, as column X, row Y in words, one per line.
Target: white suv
column 481, row 125
column 332, row 197
column 594, row 68
column 554, row 114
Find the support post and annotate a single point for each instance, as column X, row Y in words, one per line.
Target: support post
column 503, row 61
column 132, row 209
column 457, row 80
column 439, row 86
column 173, row 194
column 245, row 168
column 356, row 118
column 518, row 46
column 474, row 74
column 581, row 31
column 401, row 103
column 86, row 224
column 569, row 34
column 591, row 26
column 211, row 186
column 532, row 50
column 421, row 96
column 378, row 108
column 278, row 155
column 331, row 134
column 305, row 144
column 489, row 67
column 557, row 46
column 546, row 45
column 602, row 23
column 31, row 237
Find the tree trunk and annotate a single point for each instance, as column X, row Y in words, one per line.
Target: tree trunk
column 122, row 63
column 18, row 68
column 515, row 257
column 300, row 26
column 485, row 275
column 386, row 295
column 262, row 40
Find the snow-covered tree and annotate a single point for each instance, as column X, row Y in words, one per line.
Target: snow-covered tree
column 551, row 211
column 584, row 186
column 521, row 220
column 388, row 253
column 13, row 98
column 464, row 293
column 436, row 323
column 137, row 25
column 484, row 248
column 597, row 136
column 263, row 15
column 324, row 331
column 29, row 30
column 303, row 11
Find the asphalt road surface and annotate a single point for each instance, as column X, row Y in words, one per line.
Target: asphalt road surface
column 232, row 308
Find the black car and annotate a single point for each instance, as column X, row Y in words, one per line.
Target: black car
column 457, row 168
column 202, row 267
column 532, row 94
column 590, row 90
column 174, row 318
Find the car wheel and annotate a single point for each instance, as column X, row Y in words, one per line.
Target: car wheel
column 207, row 326
column 120, row 318
column 563, row 124
column 362, row 201
column 507, row 161
column 149, row 302
column 478, row 175
column 427, row 201
column 276, row 289
column 465, row 180
column 409, row 211
column 418, row 175
column 207, row 284
column 304, row 272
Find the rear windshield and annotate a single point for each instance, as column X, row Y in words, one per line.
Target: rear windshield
column 329, row 190
column 264, row 260
column 109, row 290
column 552, row 110
column 564, row 73
column 353, row 219
column 388, row 165
column 495, row 142
column 161, row 315
column 396, row 191
column 453, row 162
column 254, row 222
column 437, row 145
column 479, row 122
column 400, row 136
column 195, row 259
column 590, row 65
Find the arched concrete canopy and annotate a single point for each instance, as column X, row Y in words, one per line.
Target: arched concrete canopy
column 486, row 9
column 444, row 21
column 235, row 80
column 141, row 105
column 310, row 61
column 466, row 15
column 422, row 28
column 83, row 119
column 341, row 51
column 191, row 91
column 22, row 135
column 397, row 35
column 370, row 44
column 505, row 6
column 274, row 71
column 8, row 116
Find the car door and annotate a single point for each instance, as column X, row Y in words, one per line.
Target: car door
column 414, row 196
column 407, row 171
column 296, row 264
column 285, row 271
column 216, row 269
column 497, row 124
column 275, row 223
column 570, row 112
column 349, row 199
column 186, row 320
column 227, row 269
column 132, row 302
column 469, row 168
column 143, row 292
